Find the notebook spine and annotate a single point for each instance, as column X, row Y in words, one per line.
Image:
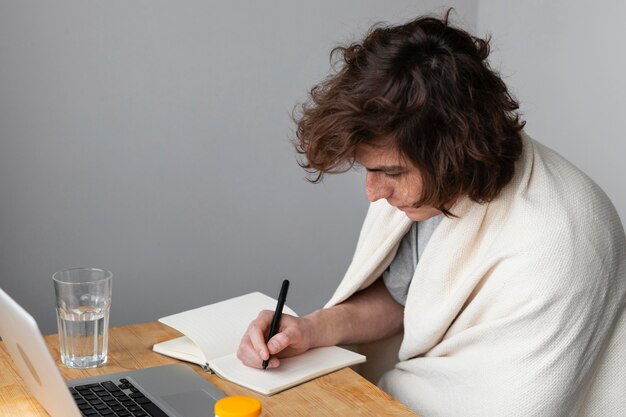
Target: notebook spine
column 207, row 368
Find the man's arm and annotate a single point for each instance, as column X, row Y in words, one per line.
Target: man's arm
column 366, row 316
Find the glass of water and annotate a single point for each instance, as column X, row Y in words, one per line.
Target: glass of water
column 83, row 304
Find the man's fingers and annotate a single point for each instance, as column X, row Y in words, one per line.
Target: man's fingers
column 279, row 342
column 256, row 333
column 254, row 349
column 257, row 341
column 247, row 355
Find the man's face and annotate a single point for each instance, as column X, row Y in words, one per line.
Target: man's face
column 393, row 178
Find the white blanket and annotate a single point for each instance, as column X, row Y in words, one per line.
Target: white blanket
column 517, row 307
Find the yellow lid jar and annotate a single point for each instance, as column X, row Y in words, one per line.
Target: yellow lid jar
column 238, row 406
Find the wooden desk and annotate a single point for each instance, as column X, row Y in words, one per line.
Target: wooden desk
column 342, row 393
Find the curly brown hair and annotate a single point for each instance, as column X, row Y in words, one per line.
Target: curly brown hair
column 426, row 86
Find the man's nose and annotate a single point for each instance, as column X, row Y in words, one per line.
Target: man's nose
column 375, row 189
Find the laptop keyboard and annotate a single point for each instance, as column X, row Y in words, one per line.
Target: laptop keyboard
column 110, row 399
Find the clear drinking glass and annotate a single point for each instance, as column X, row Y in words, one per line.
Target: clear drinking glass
column 83, row 304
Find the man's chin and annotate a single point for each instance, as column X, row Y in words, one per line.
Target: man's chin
column 419, row 214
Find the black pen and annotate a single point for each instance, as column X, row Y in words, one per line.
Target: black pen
column 277, row 314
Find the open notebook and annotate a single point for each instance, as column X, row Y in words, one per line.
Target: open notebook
column 212, row 336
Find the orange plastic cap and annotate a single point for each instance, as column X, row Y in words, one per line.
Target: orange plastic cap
column 238, row 406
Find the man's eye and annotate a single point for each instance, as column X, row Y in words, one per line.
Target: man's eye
column 393, row 174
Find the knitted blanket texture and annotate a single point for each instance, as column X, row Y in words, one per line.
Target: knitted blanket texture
column 517, row 306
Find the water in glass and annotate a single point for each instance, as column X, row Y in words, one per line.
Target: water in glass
column 83, row 336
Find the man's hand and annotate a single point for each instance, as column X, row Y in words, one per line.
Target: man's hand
column 366, row 316
column 293, row 338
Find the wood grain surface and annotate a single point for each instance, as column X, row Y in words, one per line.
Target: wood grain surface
column 342, row 393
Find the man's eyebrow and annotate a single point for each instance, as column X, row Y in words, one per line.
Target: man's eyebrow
column 386, row 168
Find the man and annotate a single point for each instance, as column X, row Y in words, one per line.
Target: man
column 516, row 307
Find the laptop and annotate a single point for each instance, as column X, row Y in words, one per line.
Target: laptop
column 170, row 390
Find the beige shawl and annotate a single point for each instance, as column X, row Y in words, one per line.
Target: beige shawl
column 517, row 307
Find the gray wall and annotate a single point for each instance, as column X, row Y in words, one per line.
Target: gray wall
column 151, row 138
column 566, row 62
